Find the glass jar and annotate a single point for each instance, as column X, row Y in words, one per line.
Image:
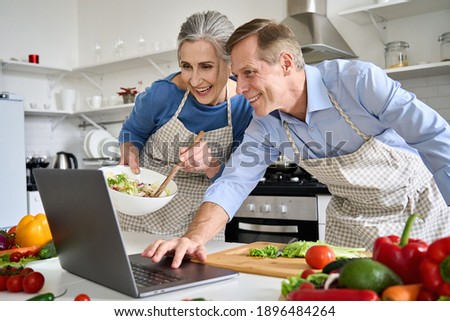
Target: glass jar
column 395, row 54
column 445, row 46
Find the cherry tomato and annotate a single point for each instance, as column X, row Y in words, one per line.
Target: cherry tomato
column 26, row 271
column 307, row 285
column 12, row 229
column 82, row 297
column 14, row 283
column 317, row 256
column 15, row 257
column 28, row 254
column 307, row 272
column 33, row 282
column 3, row 279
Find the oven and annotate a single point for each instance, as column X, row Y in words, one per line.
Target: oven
column 283, row 206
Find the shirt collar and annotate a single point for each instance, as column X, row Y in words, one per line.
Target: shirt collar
column 317, row 95
column 317, row 91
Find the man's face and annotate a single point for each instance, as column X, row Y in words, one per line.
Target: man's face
column 263, row 85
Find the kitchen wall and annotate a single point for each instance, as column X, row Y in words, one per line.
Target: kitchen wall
column 64, row 34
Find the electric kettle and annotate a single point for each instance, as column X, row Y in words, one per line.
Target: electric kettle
column 65, row 160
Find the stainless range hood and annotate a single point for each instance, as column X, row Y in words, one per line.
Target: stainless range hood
column 318, row 38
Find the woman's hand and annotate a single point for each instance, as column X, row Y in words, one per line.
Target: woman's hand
column 199, row 159
column 129, row 155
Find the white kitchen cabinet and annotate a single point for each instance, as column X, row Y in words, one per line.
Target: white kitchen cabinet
column 153, row 58
column 322, row 203
column 393, row 10
column 418, row 71
column 27, row 67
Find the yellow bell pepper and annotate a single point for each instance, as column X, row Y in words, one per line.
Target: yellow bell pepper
column 33, row 230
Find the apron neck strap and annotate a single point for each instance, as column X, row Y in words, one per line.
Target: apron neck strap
column 186, row 95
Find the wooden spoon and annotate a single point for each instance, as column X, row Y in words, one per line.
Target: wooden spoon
column 176, row 167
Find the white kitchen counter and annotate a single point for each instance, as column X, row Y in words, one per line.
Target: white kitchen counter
column 241, row 288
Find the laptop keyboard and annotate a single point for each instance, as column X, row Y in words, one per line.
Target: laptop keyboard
column 145, row 276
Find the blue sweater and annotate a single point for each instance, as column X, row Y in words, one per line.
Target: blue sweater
column 158, row 103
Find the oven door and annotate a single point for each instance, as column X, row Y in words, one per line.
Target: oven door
column 249, row 229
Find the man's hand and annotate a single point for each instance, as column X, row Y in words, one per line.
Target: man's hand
column 209, row 220
column 178, row 247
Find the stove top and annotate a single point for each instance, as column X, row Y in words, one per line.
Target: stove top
column 289, row 183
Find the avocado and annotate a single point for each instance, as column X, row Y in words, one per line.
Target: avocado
column 367, row 274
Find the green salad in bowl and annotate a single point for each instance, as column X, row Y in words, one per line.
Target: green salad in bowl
column 132, row 194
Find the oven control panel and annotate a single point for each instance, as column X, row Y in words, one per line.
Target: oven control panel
column 279, row 207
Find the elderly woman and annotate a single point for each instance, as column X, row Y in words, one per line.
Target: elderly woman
column 167, row 116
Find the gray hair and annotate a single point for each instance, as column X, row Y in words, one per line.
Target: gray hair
column 210, row 26
column 272, row 38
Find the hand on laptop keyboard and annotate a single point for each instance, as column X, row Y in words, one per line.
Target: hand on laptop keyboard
column 179, row 248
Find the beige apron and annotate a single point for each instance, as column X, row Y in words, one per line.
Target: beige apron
column 375, row 189
column 160, row 154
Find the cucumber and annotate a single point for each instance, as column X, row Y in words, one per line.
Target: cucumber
column 48, row 251
column 337, row 264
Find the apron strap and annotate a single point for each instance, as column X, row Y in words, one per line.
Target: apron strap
column 347, row 119
column 186, row 95
column 341, row 112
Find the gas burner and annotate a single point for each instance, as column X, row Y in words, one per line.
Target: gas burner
column 292, row 177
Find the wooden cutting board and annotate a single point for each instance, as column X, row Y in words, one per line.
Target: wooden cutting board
column 237, row 259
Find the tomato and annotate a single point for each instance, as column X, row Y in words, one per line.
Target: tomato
column 307, row 285
column 317, row 256
column 26, row 271
column 3, row 279
column 12, row 229
column 306, row 272
column 33, row 282
column 82, row 297
column 15, row 257
column 14, row 283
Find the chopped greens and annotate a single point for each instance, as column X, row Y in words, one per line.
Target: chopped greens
column 267, row 251
column 298, row 249
column 293, row 282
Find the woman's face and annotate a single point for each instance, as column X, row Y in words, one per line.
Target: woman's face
column 204, row 72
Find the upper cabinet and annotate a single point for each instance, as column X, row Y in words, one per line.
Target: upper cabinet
column 418, row 71
column 13, row 65
column 393, row 10
column 154, row 59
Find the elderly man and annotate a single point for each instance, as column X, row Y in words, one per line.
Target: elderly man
column 383, row 153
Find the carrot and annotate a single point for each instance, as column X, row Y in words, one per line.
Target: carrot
column 34, row 249
column 408, row 292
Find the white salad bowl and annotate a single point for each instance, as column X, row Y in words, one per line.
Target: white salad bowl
column 138, row 205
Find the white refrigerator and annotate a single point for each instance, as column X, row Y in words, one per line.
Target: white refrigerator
column 13, row 184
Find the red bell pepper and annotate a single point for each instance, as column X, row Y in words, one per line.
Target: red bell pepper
column 402, row 254
column 435, row 268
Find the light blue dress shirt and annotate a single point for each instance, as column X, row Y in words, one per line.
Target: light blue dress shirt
column 373, row 101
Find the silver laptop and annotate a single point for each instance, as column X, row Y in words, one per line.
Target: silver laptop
column 88, row 240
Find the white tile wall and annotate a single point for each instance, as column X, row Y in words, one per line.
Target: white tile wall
column 434, row 91
column 51, row 134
